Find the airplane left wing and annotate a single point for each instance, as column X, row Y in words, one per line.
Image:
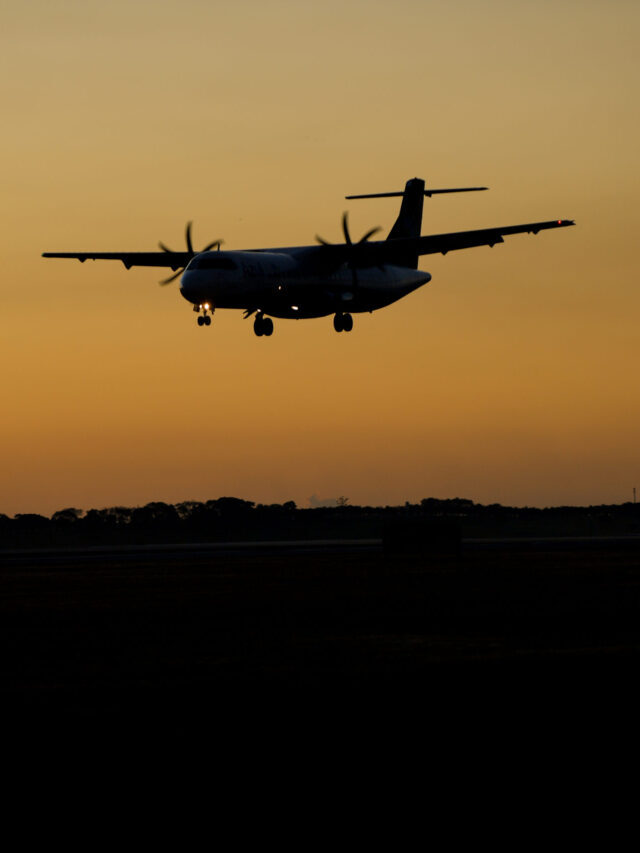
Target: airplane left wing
column 404, row 251
column 443, row 243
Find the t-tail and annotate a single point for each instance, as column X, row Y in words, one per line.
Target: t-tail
column 408, row 225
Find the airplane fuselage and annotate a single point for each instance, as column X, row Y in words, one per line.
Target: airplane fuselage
column 280, row 284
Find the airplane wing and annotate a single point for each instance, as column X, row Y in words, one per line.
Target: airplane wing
column 402, row 250
column 443, row 243
column 174, row 260
column 331, row 256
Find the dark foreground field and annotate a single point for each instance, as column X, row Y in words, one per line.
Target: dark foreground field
column 168, row 640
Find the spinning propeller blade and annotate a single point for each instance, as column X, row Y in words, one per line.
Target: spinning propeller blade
column 349, row 242
column 190, row 250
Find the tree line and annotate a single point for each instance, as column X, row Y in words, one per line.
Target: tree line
column 228, row 519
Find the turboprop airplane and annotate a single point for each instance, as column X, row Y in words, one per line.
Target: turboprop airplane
column 318, row 280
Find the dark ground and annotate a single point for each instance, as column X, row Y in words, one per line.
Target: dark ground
column 166, row 642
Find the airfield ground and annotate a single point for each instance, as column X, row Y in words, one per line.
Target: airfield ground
column 163, row 640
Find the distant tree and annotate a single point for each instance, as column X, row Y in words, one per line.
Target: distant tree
column 31, row 519
column 120, row 515
column 342, row 501
column 154, row 514
column 95, row 518
column 66, row 516
column 5, row 527
column 106, row 526
column 186, row 509
column 231, row 506
column 446, row 505
column 32, row 529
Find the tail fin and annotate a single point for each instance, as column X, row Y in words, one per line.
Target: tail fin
column 409, row 221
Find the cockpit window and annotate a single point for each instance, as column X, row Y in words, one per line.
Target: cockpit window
column 213, row 262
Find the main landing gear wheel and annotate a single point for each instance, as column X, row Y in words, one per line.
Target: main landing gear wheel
column 204, row 320
column 263, row 326
column 343, row 322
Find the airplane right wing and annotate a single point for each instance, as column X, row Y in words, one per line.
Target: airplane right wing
column 174, row 260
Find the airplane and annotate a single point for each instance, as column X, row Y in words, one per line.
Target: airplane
column 323, row 279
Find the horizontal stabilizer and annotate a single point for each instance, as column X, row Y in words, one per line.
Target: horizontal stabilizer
column 427, row 192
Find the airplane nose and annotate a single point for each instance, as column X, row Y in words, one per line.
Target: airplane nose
column 187, row 282
column 186, row 279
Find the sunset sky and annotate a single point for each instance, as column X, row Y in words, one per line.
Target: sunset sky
column 512, row 377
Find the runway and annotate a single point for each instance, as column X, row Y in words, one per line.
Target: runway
column 281, row 548
column 162, row 638
column 133, row 553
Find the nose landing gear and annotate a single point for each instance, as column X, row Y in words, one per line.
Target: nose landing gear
column 263, row 326
column 204, row 319
column 343, row 322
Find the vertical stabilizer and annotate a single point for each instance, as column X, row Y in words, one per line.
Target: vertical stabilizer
column 409, row 221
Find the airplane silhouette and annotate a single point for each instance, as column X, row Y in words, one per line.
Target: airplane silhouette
column 299, row 282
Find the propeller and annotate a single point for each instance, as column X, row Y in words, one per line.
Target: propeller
column 190, row 250
column 349, row 242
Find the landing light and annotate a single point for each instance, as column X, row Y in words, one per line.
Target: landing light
column 206, row 306
column 294, row 307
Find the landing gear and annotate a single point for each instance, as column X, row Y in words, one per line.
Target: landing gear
column 204, row 319
column 263, row 326
column 343, row 322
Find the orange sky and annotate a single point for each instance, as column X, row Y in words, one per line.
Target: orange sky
column 511, row 377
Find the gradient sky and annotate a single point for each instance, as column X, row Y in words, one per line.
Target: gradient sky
column 512, row 377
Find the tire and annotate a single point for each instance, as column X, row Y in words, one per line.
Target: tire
column 337, row 322
column 267, row 326
column 347, row 322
